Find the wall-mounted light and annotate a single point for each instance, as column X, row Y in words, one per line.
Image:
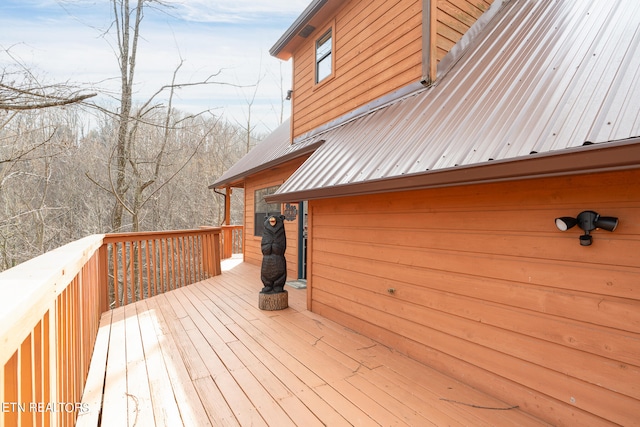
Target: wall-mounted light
column 588, row 221
column 289, row 93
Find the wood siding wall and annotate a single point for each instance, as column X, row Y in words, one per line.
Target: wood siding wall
column 453, row 19
column 252, row 252
column 378, row 49
column 477, row 282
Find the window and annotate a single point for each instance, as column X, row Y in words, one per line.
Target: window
column 264, row 209
column 324, row 66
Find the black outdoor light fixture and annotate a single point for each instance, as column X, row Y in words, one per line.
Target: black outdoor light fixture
column 588, row 221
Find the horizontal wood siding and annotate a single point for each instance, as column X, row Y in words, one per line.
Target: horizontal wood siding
column 478, row 282
column 377, row 50
column 454, row 18
column 252, row 252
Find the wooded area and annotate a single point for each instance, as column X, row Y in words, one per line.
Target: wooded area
column 54, row 185
column 71, row 166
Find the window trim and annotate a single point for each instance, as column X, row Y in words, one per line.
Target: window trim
column 264, row 191
column 332, row 52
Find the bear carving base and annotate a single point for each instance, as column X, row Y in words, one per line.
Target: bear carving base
column 271, row 302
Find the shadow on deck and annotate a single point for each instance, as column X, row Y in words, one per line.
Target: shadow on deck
column 206, row 355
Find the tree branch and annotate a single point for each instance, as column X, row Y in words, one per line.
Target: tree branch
column 49, row 101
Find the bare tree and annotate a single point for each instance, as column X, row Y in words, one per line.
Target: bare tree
column 21, row 90
column 127, row 54
column 30, row 205
column 149, row 163
column 15, row 98
column 249, row 126
column 283, row 96
column 31, row 136
column 135, row 173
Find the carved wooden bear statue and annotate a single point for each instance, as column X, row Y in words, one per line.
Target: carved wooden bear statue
column 274, row 264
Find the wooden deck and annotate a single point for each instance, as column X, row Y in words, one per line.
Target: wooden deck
column 206, row 355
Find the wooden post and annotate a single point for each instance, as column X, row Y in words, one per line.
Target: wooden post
column 271, row 302
column 227, row 206
column 216, row 254
column 227, row 241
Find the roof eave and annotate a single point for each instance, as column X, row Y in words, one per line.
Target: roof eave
column 601, row 157
column 279, row 49
column 238, row 180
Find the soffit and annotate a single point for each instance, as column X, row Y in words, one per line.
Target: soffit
column 314, row 16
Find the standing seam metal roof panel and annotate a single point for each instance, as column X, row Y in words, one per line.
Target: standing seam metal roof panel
column 541, row 77
column 273, row 150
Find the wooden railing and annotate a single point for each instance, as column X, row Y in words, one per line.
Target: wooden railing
column 140, row 265
column 231, row 240
column 50, row 309
column 49, row 315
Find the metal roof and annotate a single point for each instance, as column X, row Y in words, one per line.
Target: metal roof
column 541, row 82
column 271, row 151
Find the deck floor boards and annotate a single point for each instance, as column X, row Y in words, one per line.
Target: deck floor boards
column 206, row 355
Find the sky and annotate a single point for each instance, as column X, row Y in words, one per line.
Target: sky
column 66, row 41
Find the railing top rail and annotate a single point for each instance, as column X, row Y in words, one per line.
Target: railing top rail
column 141, row 235
column 29, row 289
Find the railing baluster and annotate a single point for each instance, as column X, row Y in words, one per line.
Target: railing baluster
column 113, row 266
column 186, row 241
column 131, row 258
column 48, row 394
column 155, row 266
column 196, row 258
column 173, row 262
column 36, row 346
column 11, row 376
column 192, row 257
column 125, row 288
column 160, row 266
column 169, row 256
column 186, row 260
column 141, row 287
column 164, row 247
column 178, row 260
column 25, row 374
column 148, row 262
column 182, row 262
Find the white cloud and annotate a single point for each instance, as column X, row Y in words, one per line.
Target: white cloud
column 238, row 10
column 68, row 46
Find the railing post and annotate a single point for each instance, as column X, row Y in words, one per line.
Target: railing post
column 216, row 254
column 227, row 241
column 103, row 277
column 211, row 251
column 231, row 240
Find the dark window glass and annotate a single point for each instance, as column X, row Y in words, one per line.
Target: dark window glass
column 263, row 209
column 323, row 57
